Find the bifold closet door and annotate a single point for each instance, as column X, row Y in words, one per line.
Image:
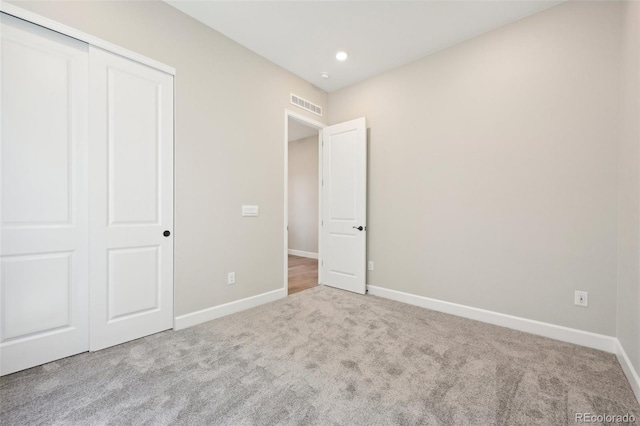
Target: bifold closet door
column 131, row 199
column 43, row 198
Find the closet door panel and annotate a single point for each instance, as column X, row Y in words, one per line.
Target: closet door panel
column 135, row 111
column 43, row 197
column 131, row 161
column 37, row 142
column 133, row 281
column 36, row 293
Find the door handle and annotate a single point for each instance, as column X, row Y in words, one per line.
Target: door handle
column 359, row 228
column 166, row 233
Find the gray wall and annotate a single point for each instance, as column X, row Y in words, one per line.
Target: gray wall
column 629, row 221
column 493, row 168
column 229, row 144
column 303, row 194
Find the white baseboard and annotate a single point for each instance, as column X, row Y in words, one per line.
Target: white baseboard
column 301, row 253
column 565, row 334
column 629, row 371
column 209, row 314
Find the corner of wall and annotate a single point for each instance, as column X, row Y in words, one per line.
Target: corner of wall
column 628, row 255
column 628, row 369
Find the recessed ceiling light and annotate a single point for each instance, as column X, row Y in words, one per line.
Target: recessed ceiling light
column 324, row 75
column 342, row 55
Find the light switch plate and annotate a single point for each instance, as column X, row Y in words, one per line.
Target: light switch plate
column 250, row 211
column 581, row 298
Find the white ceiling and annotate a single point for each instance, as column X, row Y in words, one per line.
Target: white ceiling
column 304, row 36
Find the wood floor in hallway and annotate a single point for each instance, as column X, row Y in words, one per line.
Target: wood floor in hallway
column 303, row 273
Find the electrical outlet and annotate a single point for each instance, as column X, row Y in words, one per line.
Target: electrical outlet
column 581, row 298
column 231, row 278
column 370, row 265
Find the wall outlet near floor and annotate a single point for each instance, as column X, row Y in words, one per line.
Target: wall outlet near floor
column 370, row 265
column 581, row 298
column 231, row 278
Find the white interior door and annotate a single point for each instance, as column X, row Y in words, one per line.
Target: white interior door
column 43, row 198
column 131, row 179
column 344, row 205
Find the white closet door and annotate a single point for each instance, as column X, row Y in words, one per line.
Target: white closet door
column 43, row 197
column 131, row 180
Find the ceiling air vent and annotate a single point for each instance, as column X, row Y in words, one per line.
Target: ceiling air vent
column 305, row 104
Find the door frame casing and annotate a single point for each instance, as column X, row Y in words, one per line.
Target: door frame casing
column 289, row 114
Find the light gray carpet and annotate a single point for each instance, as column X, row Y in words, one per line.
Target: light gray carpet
column 324, row 356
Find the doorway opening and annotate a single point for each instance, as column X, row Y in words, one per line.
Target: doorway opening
column 302, row 202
